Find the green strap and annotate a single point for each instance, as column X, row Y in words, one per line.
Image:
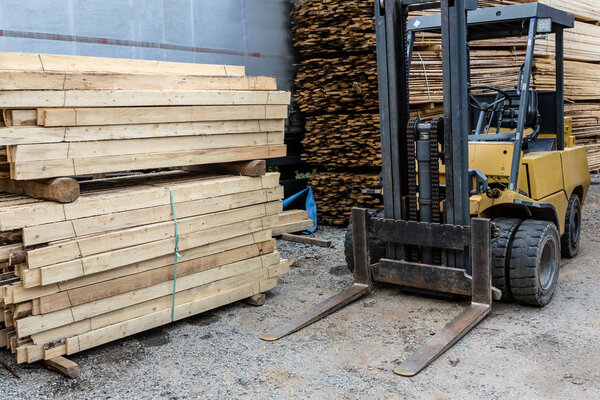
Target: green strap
column 177, row 255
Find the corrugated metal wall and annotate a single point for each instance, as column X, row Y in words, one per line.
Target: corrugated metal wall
column 254, row 33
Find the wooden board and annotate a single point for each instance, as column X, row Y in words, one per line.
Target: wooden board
column 58, row 151
column 131, row 98
column 37, row 80
column 151, row 115
column 64, row 63
column 95, row 165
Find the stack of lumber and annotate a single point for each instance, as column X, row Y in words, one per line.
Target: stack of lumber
column 336, row 193
column 101, row 268
column 586, row 129
column 584, row 10
column 67, row 116
column 291, row 221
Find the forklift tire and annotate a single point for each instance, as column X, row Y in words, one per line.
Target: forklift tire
column 569, row 242
column 501, row 248
column 535, row 262
column 376, row 246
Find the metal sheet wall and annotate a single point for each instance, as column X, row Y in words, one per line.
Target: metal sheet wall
column 254, row 33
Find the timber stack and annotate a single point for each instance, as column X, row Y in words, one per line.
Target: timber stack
column 336, row 85
column 180, row 220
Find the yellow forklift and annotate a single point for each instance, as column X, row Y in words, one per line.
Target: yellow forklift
column 482, row 202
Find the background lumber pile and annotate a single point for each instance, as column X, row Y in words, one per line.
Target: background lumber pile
column 66, row 116
column 82, row 274
column 338, row 192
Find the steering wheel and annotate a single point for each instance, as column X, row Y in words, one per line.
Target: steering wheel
column 479, row 106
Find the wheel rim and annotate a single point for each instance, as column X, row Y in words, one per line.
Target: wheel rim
column 548, row 264
column 575, row 228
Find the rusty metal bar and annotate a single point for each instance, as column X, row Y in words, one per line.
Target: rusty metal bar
column 362, row 285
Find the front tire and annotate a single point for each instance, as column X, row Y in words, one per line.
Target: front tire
column 569, row 242
column 501, row 249
column 535, row 262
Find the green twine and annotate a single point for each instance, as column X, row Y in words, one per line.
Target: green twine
column 177, row 255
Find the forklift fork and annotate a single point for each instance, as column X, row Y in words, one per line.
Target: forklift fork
column 416, row 275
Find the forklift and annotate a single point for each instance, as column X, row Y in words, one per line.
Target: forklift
column 482, row 202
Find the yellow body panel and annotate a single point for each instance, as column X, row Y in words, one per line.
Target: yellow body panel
column 544, row 177
column 560, row 202
column 545, row 173
column 575, row 170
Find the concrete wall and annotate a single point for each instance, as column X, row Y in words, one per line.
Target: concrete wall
column 254, row 33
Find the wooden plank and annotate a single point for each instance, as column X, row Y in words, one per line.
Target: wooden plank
column 133, row 98
column 66, row 367
column 54, row 151
column 139, row 131
column 37, row 80
column 95, row 244
column 128, row 162
column 27, row 135
column 288, row 216
column 64, row 63
column 131, row 218
column 257, row 300
column 62, row 190
column 293, row 227
column 151, row 115
column 305, row 239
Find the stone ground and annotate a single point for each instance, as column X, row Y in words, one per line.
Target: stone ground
column 516, row 352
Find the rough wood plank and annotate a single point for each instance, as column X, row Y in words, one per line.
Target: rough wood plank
column 293, row 227
column 38, row 80
column 64, row 63
column 65, row 366
column 62, row 190
column 53, row 151
column 256, row 300
column 305, row 239
column 136, row 98
column 91, row 165
column 151, row 115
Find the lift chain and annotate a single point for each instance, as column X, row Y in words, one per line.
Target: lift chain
column 436, row 131
column 411, row 135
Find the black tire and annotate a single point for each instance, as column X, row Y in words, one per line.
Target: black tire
column 535, row 262
column 501, row 250
column 569, row 242
column 376, row 246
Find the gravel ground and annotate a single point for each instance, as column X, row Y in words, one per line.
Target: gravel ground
column 516, row 352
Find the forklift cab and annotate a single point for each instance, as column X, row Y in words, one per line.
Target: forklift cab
column 506, row 125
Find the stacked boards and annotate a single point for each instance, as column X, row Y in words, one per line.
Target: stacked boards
column 101, row 268
column 291, row 221
column 67, row 116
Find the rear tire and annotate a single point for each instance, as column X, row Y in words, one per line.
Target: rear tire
column 535, row 262
column 569, row 242
column 501, row 250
